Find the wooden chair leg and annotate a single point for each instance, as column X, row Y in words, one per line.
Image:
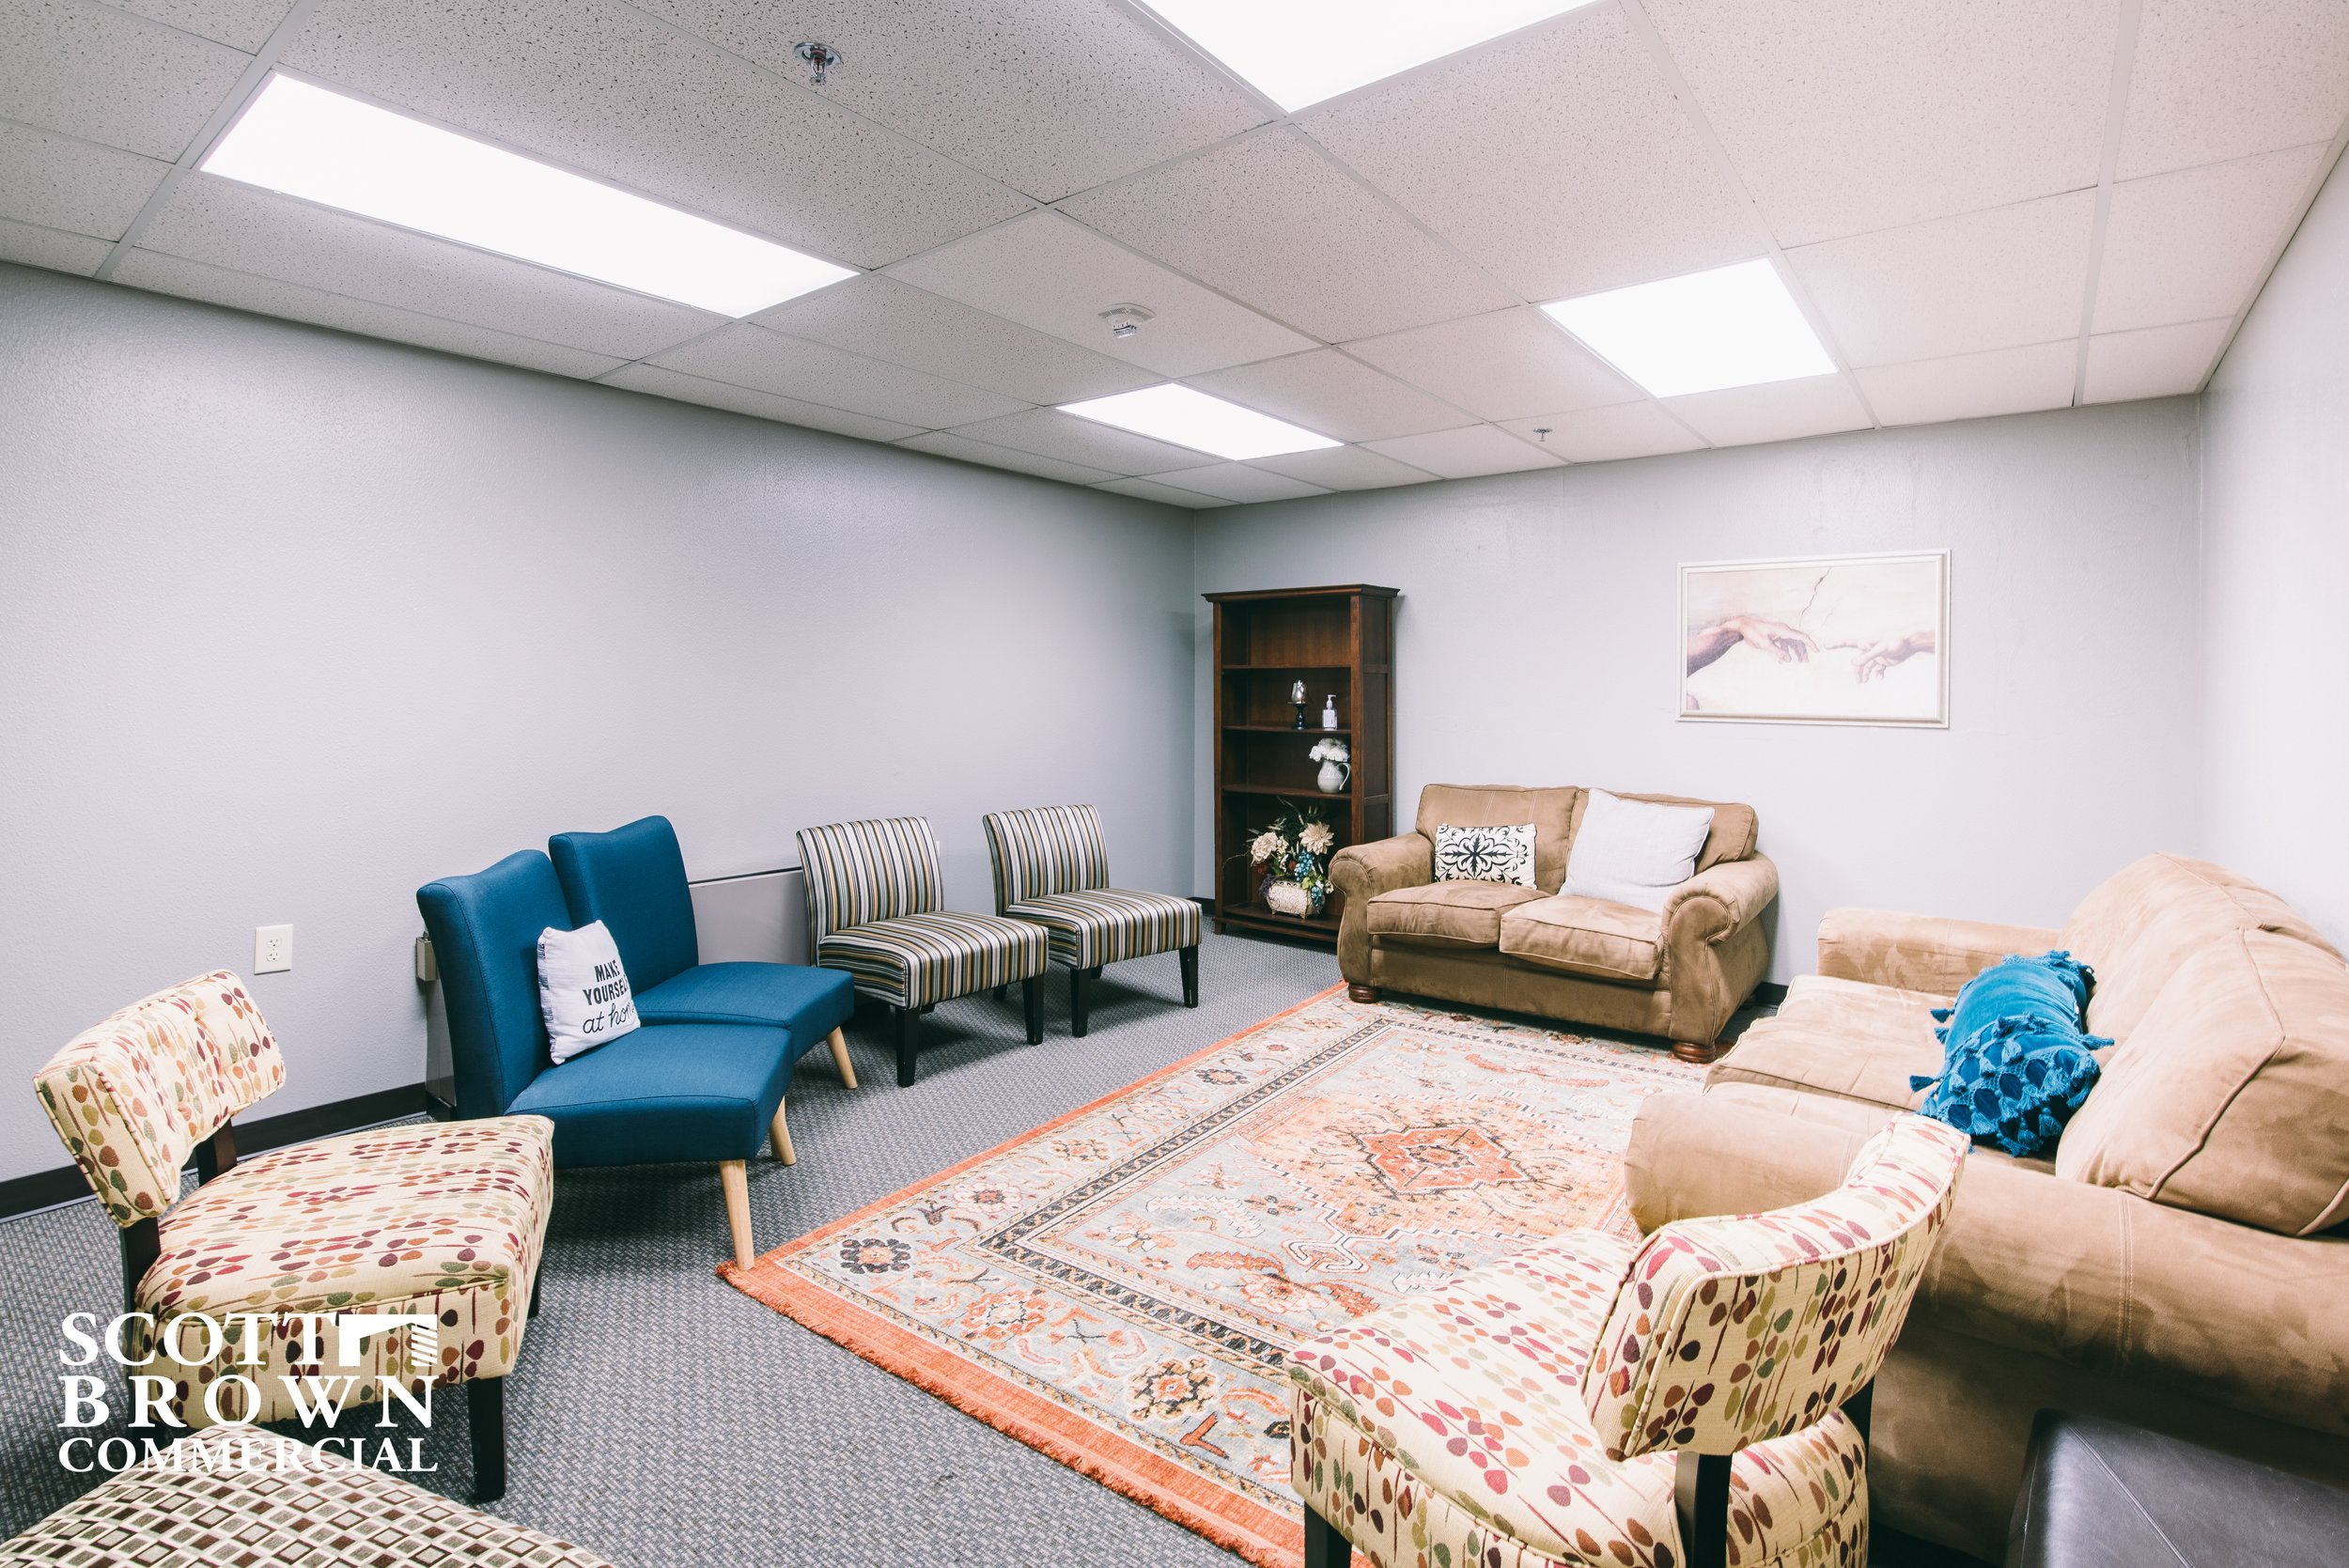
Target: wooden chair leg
column 1324, row 1546
column 736, row 1182
column 1001, row 991
column 1190, row 977
column 1701, row 1497
column 1031, row 993
column 484, row 1406
column 840, row 1058
column 533, row 1298
column 779, row 1135
column 909, row 1024
column 1079, row 999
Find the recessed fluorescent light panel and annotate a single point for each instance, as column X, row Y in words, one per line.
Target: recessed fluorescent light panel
column 1732, row 326
column 319, row 146
column 1193, row 419
column 1300, row 51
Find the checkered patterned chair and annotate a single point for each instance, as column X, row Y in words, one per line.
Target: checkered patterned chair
column 445, row 1221
column 873, row 897
column 238, row 1494
column 1695, row 1401
column 1052, row 867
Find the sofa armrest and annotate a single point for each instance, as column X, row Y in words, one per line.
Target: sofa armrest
column 1713, row 903
column 1360, row 872
column 2090, row 1276
column 1919, row 952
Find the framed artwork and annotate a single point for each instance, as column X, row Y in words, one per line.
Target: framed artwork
column 1824, row 640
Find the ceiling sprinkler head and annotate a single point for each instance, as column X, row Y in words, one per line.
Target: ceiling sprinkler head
column 820, row 57
column 1541, row 433
column 1126, row 319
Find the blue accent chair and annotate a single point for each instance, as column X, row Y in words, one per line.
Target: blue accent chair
column 632, row 879
column 667, row 1092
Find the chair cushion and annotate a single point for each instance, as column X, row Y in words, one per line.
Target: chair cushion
column 1447, row 1429
column 1596, row 937
column 806, row 1002
column 1106, row 925
column 1044, row 851
column 1445, row 915
column 668, row 1093
column 632, row 879
column 439, row 1218
column 918, row 959
column 259, row 1500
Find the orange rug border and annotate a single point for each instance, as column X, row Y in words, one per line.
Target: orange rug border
column 1270, row 1538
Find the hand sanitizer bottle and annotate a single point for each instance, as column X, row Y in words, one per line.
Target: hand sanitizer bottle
column 1330, row 711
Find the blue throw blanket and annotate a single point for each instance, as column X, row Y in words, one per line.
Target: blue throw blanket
column 2018, row 1064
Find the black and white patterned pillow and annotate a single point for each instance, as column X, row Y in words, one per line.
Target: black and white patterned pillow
column 1484, row 854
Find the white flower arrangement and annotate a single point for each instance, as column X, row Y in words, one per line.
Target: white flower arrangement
column 1330, row 750
column 1316, row 838
column 1269, row 845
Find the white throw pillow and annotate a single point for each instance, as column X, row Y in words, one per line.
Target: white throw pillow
column 1635, row 851
column 582, row 990
column 1484, row 854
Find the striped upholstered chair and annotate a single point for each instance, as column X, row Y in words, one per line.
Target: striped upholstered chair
column 874, row 901
column 1053, row 868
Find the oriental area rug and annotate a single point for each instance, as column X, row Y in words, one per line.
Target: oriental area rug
column 1120, row 1287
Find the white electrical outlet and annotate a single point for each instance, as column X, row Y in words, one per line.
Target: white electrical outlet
column 273, row 949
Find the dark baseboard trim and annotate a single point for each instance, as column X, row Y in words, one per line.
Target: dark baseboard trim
column 1770, row 993
column 48, row 1189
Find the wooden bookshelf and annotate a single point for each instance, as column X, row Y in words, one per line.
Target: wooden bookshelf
column 1337, row 640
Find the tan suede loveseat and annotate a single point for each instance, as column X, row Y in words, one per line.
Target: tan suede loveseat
column 1680, row 974
column 2178, row 1264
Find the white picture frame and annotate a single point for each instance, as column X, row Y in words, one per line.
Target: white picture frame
column 1816, row 640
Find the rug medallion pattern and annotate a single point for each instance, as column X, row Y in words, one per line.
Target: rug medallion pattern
column 1120, row 1287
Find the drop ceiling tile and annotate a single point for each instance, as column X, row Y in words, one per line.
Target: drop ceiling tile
column 1641, row 430
column 104, row 75
column 1050, row 433
column 1056, row 275
column 1781, row 411
column 2152, row 362
column 1498, row 366
column 744, row 355
column 1047, row 96
column 59, row 182
column 603, row 87
column 2214, row 80
column 1239, row 482
column 1973, row 387
column 248, row 230
column 944, row 444
column 1955, row 286
column 52, row 248
column 880, row 317
column 1270, row 220
column 1333, row 395
column 1844, row 116
column 672, row 384
column 193, row 279
column 244, row 24
column 1343, row 468
column 2190, row 246
column 1557, row 193
column 1150, row 490
column 1465, row 452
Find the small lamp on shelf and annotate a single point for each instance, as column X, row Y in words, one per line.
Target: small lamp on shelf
column 1296, row 695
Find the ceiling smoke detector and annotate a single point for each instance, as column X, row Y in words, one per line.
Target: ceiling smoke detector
column 1126, row 320
column 820, row 58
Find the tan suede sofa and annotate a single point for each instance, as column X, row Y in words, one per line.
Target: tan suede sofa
column 1680, row 974
column 2178, row 1264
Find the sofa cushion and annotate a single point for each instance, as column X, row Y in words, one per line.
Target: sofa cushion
column 1735, row 828
column 1445, row 915
column 1842, row 1038
column 1551, row 811
column 1595, row 936
column 668, row 1093
column 2232, row 1097
column 2149, row 916
column 809, row 1002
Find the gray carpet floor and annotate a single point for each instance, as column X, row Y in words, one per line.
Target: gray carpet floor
column 663, row 1420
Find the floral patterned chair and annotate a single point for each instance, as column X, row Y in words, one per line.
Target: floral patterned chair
column 437, row 1220
column 1053, row 868
column 1699, row 1399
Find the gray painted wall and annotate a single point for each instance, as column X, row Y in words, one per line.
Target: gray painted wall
column 1537, row 644
column 297, row 621
column 2276, row 521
